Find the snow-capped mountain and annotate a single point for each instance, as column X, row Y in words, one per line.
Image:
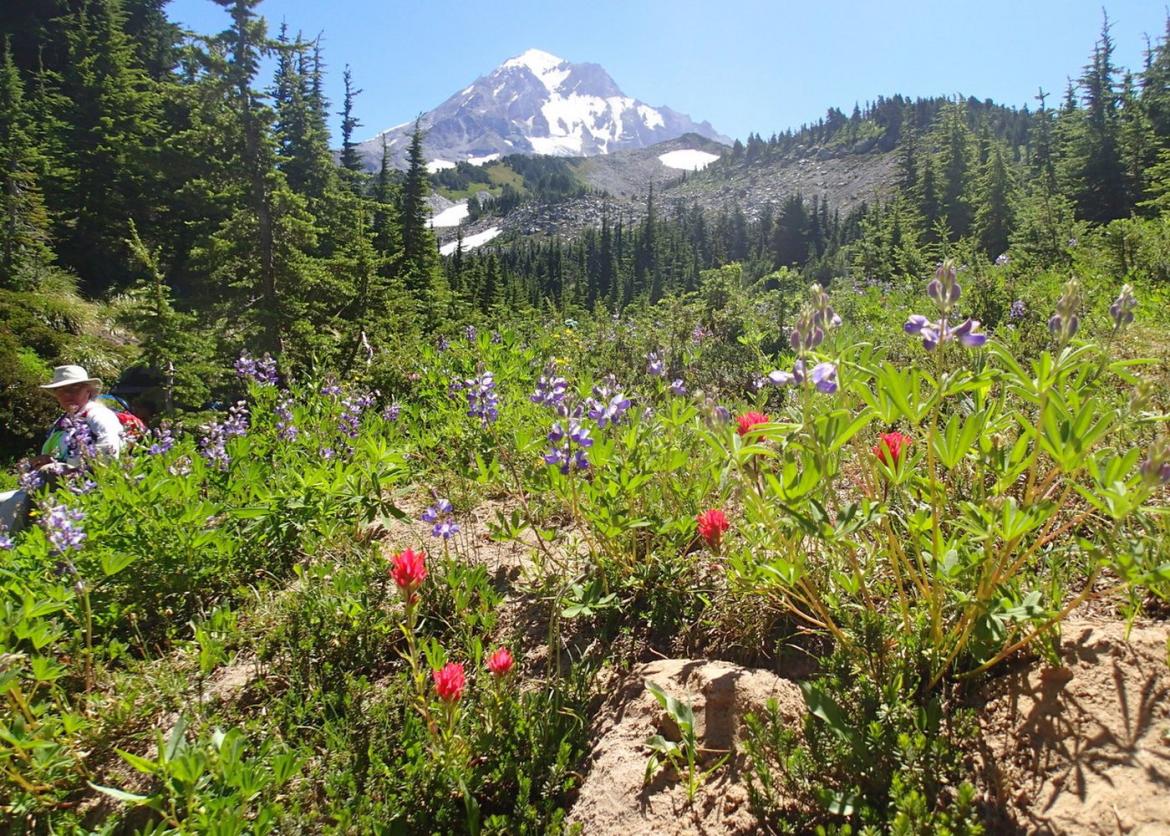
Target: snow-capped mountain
column 536, row 103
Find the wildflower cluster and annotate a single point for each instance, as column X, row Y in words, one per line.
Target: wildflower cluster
column 163, row 441
column 945, row 291
column 569, row 446
column 5, row 541
column 391, row 412
column 816, row 317
column 550, row 389
column 286, row 430
column 441, row 515
column 63, row 528
column 608, row 405
column 1064, row 323
column 352, row 409
column 655, row 366
column 1155, row 467
column 213, row 445
column 483, row 402
column 261, row 372
column 1121, row 311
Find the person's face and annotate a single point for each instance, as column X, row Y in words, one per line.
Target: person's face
column 73, row 397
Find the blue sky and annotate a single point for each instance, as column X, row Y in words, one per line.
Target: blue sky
column 745, row 66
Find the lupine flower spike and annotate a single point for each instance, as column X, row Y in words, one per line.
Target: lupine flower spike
column 945, row 291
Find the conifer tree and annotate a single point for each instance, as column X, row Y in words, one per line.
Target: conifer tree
column 24, row 224
column 350, row 159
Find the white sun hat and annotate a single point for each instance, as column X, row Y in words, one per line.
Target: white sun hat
column 69, row 375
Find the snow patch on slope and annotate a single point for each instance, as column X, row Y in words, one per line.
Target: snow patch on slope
column 485, row 159
column 687, row 159
column 471, row 241
column 451, row 216
column 438, row 165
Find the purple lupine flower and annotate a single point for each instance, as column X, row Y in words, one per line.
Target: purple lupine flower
column 699, row 335
column 212, row 448
column 722, row 414
column 181, row 467
column 30, row 480
column 1018, row 310
column 63, row 528
column 237, row 421
column 482, row 399
column 81, row 487
column 608, row 404
column 496, row 338
column 967, row 334
column 245, row 366
column 327, row 453
column 1002, row 260
column 443, row 343
column 935, row 333
column 79, row 443
column 262, row 371
column 470, row 333
column 1155, row 467
column 330, row 388
column 352, row 409
column 550, row 389
column 1064, row 323
column 569, row 446
column 286, row 429
column 391, row 412
column 164, row 440
column 944, row 288
column 655, row 367
column 778, row 378
column 824, row 377
column 6, row 543
column 823, row 313
column 808, row 333
column 440, row 514
column 1121, row 311
column 677, row 388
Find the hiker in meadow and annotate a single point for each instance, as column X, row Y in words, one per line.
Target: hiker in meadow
column 87, row 428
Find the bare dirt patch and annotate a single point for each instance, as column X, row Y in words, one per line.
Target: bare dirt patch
column 1085, row 748
column 613, row 798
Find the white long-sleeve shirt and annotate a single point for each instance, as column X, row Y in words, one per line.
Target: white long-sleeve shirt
column 104, row 428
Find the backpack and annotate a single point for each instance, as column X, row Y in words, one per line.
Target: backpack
column 132, row 427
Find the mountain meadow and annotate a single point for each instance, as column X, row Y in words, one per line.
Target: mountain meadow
column 818, row 488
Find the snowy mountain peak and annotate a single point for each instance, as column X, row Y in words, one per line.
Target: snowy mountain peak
column 538, row 103
column 536, row 60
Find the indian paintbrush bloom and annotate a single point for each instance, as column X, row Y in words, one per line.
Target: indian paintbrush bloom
column 1121, row 311
column 711, row 525
column 890, row 447
column 749, row 420
column 449, row 682
column 408, row 568
column 500, row 663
